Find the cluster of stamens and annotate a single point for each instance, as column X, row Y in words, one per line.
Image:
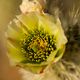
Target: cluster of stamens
column 37, row 46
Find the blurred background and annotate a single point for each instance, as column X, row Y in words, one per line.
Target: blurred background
column 8, row 10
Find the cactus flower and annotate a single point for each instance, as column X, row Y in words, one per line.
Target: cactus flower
column 35, row 40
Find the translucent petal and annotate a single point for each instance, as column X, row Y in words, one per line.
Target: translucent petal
column 47, row 24
column 60, row 37
column 29, row 20
column 15, row 53
column 16, row 30
column 32, row 68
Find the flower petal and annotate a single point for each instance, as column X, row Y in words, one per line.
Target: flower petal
column 29, row 20
column 15, row 53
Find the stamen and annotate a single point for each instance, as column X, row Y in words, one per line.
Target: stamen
column 38, row 46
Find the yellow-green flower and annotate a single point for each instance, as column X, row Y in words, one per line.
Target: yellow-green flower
column 35, row 40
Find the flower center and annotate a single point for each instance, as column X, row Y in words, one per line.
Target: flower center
column 38, row 46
